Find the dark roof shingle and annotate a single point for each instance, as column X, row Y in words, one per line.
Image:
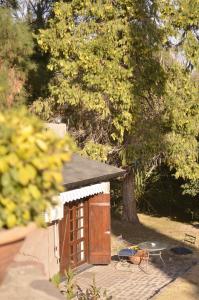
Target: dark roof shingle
column 81, row 171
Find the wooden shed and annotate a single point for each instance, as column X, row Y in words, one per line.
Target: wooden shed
column 79, row 226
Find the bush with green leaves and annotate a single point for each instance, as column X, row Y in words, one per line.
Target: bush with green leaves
column 31, row 161
column 96, row 151
column 70, row 284
column 16, row 49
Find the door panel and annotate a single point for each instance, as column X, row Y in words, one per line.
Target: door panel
column 74, row 235
column 64, row 231
column 99, row 229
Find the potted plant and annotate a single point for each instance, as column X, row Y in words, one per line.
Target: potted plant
column 31, row 160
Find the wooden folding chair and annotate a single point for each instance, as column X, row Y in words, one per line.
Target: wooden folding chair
column 140, row 257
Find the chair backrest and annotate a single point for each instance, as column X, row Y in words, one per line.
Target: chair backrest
column 188, row 238
column 142, row 253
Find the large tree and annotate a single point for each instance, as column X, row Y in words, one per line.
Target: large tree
column 120, row 69
column 180, row 20
column 107, row 73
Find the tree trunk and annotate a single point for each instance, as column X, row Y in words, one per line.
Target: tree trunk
column 129, row 200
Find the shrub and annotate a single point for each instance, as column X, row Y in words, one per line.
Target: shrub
column 70, row 285
column 31, row 160
column 92, row 293
column 56, row 279
column 74, row 291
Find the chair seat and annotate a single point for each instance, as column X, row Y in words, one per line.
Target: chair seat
column 126, row 252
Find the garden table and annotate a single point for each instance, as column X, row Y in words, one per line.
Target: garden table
column 154, row 249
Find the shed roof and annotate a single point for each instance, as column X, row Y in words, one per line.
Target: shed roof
column 81, row 171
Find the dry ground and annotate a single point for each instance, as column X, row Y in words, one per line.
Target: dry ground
column 152, row 228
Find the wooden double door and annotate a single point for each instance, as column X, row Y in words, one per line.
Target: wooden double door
column 84, row 232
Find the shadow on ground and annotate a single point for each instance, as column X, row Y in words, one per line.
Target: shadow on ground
column 45, row 287
column 176, row 265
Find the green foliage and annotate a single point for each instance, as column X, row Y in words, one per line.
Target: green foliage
column 69, row 284
column 191, row 187
column 181, row 123
column 4, row 85
column 16, row 46
column 180, row 19
column 31, row 160
column 96, row 151
column 44, row 108
column 56, row 279
column 16, row 41
column 92, row 293
column 105, row 66
column 163, row 196
column 89, row 46
column 72, row 290
column 170, row 127
column 122, row 77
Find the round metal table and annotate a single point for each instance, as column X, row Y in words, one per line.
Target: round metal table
column 154, row 249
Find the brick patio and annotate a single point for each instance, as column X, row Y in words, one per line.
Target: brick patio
column 133, row 283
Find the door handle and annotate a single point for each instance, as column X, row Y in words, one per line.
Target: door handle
column 107, row 232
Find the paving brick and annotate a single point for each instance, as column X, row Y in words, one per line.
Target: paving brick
column 136, row 284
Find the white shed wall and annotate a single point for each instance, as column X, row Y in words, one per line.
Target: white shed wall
column 42, row 245
column 39, row 248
